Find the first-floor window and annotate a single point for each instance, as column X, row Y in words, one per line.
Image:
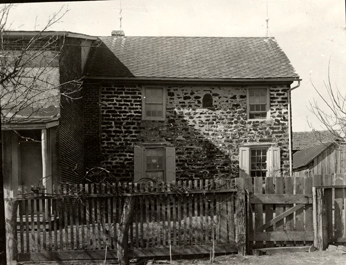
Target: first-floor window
column 259, row 161
column 154, row 162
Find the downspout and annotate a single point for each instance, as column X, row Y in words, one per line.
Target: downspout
column 290, row 126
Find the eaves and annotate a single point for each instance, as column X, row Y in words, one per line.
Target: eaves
column 193, row 81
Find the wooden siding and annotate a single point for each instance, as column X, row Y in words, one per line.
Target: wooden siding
column 330, row 161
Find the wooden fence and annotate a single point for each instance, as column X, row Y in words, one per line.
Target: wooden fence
column 331, row 212
column 83, row 221
column 281, row 211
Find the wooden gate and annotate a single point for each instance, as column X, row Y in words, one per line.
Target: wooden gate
column 296, row 211
column 280, row 212
column 331, row 215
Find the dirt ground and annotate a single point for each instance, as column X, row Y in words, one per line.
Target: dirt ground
column 312, row 258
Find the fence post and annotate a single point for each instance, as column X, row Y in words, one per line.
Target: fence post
column 240, row 222
column 122, row 240
column 314, row 216
column 322, row 236
column 11, row 238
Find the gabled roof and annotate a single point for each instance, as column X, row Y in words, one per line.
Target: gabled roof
column 190, row 58
column 303, row 157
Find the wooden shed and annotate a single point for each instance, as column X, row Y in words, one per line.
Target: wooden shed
column 322, row 158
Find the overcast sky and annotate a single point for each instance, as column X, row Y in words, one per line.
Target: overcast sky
column 311, row 32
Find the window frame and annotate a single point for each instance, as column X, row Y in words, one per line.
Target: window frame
column 267, row 103
column 144, row 104
column 169, row 161
column 258, row 148
column 145, row 157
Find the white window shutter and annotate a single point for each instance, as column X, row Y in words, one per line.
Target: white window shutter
column 273, row 162
column 244, row 162
column 138, row 163
column 170, row 164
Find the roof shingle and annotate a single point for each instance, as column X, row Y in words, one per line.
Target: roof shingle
column 189, row 57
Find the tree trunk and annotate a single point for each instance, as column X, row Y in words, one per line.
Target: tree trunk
column 11, row 237
column 122, row 243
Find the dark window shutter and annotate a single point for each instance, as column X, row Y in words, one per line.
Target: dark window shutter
column 170, row 164
column 138, row 163
column 244, row 162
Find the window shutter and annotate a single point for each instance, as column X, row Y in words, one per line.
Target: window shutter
column 273, row 162
column 170, row 164
column 138, row 163
column 244, row 162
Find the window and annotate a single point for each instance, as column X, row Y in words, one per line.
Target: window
column 154, row 161
column 259, row 161
column 207, row 101
column 154, row 103
column 258, row 103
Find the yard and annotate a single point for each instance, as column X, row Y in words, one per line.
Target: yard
column 312, row 258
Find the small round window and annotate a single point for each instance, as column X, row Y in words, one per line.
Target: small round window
column 207, row 101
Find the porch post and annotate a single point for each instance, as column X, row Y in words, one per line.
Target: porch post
column 44, row 145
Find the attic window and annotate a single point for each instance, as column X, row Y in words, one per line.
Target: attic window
column 207, row 101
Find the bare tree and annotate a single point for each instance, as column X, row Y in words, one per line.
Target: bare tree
column 332, row 113
column 29, row 76
column 29, row 80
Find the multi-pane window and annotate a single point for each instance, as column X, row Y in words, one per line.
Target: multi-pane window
column 258, row 104
column 154, row 103
column 155, row 163
column 258, row 162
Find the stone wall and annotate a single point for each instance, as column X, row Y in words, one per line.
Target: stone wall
column 206, row 140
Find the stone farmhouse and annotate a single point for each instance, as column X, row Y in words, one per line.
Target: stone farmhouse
column 160, row 108
column 169, row 108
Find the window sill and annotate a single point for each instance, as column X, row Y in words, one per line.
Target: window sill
column 266, row 119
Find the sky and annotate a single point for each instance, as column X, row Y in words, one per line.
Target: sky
column 311, row 32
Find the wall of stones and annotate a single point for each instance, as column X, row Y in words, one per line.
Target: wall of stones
column 206, row 140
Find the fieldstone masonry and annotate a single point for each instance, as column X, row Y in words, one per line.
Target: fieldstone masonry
column 207, row 140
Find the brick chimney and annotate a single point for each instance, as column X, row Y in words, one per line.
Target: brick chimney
column 118, row 33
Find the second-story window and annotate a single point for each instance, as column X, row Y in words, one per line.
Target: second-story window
column 258, row 103
column 154, row 103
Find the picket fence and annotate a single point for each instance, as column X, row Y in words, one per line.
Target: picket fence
column 83, row 221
